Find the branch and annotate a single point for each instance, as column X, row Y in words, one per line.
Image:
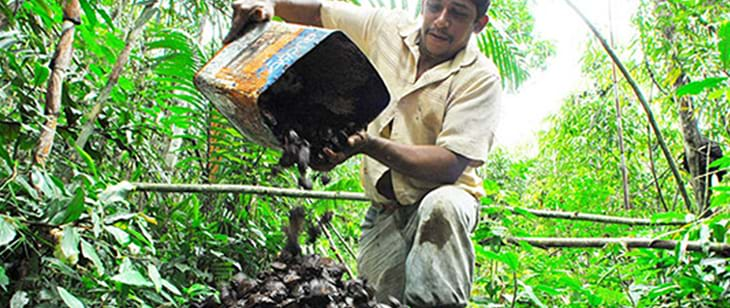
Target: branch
column 342, row 239
column 588, row 242
column 59, row 64
column 122, row 59
column 340, row 195
column 653, row 79
column 653, row 171
column 334, row 249
column 644, row 104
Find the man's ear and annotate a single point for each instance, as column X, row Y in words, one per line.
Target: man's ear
column 481, row 23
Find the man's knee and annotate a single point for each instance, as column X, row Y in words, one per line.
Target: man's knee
column 449, row 202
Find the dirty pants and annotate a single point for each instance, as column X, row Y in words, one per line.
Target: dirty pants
column 421, row 254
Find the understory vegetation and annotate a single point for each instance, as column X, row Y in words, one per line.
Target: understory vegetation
column 74, row 232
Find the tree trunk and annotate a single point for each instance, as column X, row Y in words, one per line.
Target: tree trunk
column 91, row 117
column 691, row 135
column 694, row 142
column 59, row 65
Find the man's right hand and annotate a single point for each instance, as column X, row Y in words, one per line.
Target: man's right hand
column 246, row 12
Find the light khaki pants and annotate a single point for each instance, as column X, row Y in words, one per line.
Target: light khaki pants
column 421, row 254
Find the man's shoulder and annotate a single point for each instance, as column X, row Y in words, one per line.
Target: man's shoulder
column 398, row 19
column 484, row 65
column 483, row 68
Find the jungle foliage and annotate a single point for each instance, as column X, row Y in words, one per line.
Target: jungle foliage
column 71, row 233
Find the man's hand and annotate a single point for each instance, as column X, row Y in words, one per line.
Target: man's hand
column 248, row 11
column 356, row 143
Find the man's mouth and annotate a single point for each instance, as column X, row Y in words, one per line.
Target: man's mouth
column 440, row 36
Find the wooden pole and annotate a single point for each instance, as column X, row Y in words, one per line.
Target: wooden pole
column 593, row 217
column 582, row 242
column 247, row 189
column 353, row 196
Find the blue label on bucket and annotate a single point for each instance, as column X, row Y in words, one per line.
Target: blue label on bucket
column 290, row 53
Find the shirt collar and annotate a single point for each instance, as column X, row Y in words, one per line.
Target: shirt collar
column 411, row 35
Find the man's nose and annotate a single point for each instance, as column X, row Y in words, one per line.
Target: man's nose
column 442, row 21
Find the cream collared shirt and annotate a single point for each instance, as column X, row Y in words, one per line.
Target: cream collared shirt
column 454, row 105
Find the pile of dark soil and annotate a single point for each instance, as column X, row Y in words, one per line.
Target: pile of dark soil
column 295, row 280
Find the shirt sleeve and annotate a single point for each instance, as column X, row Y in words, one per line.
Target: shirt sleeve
column 360, row 24
column 472, row 116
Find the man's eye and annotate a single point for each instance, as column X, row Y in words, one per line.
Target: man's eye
column 434, row 7
column 458, row 14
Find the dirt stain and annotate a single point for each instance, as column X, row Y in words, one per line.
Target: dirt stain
column 436, row 230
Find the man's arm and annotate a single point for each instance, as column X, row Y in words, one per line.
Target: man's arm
column 306, row 12
column 430, row 163
column 425, row 162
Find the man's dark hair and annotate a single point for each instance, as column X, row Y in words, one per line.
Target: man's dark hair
column 482, row 6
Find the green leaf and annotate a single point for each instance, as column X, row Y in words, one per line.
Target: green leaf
column 133, row 278
column 155, row 276
column 89, row 12
column 88, row 160
column 7, row 231
column 70, row 243
column 696, row 87
column 662, row 290
column 90, row 253
column 512, row 260
column 119, row 234
column 116, row 193
column 548, row 290
column 75, row 207
column 119, row 217
column 4, row 280
column 40, row 74
column 724, row 44
column 19, row 300
column 722, row 162
column 69, row 299
column 170, row 287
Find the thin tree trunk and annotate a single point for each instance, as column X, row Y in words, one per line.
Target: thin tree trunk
column 653, row 171
column 59, row 65
column 630, row 242
column 644, row 104
column 122, row 59
column 619, row 125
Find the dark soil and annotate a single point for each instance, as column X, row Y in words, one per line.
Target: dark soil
column 295, row 280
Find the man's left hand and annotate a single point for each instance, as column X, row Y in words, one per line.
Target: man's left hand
column 356, row 143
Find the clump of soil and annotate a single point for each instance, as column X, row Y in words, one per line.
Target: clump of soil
column 295, row 280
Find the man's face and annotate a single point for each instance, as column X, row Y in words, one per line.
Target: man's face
column 447, row 26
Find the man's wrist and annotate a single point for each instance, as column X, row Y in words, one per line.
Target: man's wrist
column 372, row 145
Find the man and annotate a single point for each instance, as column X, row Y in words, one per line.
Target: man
column 421, row 151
